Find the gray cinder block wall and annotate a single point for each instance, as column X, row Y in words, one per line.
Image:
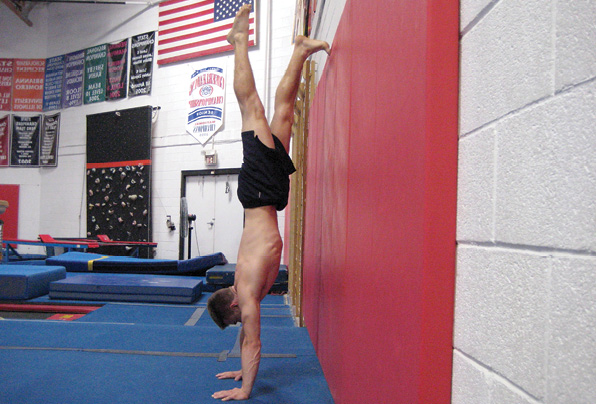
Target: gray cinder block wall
column 525, row 317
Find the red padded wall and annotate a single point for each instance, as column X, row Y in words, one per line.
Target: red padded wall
column 379, row 265
column 10, row 193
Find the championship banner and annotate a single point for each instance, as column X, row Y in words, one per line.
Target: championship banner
column 72, row 88
column 4, row 141
column 206, row 102
column 116, row 77
column 52, row 88
column 24, row 149
column 141, row 64
column 96, row 60
column 27, row 84
column 48, row 144
column 6, row 71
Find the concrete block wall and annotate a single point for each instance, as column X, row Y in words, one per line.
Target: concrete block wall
column 53, row 199
column 525, row 316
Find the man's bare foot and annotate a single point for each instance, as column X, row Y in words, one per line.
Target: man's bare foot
column 239, row 30
column 310, row 46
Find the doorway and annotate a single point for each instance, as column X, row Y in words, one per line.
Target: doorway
column 215, row 216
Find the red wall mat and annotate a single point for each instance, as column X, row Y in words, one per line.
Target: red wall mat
column 379, row 265
column 10, row 218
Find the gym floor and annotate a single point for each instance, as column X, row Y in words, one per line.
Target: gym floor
column 150, row 353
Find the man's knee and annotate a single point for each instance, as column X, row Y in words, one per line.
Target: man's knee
column 285, row 112
column 252, row 108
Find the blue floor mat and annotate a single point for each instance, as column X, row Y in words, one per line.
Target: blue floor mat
column 150, row 367
column 108, row 379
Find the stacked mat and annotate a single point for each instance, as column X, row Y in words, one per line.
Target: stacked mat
column 223, row 276
column 22, row 282
column 127, row 288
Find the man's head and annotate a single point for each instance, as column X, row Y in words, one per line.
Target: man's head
column 223, row 307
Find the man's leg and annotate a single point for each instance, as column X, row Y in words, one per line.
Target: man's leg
column 251, row 107
column 285, row 96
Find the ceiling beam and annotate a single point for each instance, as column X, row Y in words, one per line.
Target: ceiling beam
column 21, row 9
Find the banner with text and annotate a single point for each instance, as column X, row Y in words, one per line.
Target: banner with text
column 4, row 140
column 48, row 145
column 52, row 88
column 72, row 89
column 206, row 102
column 141, row 64
column 24, row 149
column 6, row 71
column 27, row 84
column 96, row 60
column 117, row 71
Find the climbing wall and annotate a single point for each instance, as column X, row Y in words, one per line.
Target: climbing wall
column 119, row 174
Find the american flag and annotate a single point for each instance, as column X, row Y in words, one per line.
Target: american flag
column 193, row 28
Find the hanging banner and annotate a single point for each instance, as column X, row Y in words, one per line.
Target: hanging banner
column 52, row 87
column 206, row 102
column 117, row 71
column 96, row 60
column 48, row 145
column 6, row 71
column 72, row 88
column 27, row 84
column 4, row 141
column 141, row 64
column 24, row 149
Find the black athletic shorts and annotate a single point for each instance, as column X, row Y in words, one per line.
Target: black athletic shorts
column 264, row 178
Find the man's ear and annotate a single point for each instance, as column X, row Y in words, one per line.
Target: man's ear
column 234, row 303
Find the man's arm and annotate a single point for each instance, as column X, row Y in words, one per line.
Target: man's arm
column 250, row 351
column 251, row 345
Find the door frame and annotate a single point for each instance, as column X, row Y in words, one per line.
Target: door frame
column 198, row 173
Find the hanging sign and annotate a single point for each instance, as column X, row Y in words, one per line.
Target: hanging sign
column 96, row 60
column 48, row 145
column 4, row 140
column 52, row 88
column 27, row 84
column 24, row 150
column 206, row 102
column 6, row 71
column 72, row 88
column 116, row 77
column 141, row 64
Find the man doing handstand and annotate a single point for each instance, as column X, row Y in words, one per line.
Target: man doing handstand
column 263, row 186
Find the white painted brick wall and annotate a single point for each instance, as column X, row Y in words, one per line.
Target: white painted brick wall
column 51, row 198
column 525, row 319
column 512, row 63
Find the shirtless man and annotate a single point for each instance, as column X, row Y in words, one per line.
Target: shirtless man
column 263, row 186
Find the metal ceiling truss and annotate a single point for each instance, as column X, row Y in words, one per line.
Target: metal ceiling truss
column 22, row 8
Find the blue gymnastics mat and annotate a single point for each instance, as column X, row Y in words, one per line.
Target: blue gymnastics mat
column 127, row 288
column 117, row 363
column 223, row 275
column 90, row 262
column 23, row 282
column 135, row 313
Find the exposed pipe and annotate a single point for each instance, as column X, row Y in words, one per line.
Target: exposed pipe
column 93, row 2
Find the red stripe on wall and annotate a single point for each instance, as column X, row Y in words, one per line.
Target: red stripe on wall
column 119, row 164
